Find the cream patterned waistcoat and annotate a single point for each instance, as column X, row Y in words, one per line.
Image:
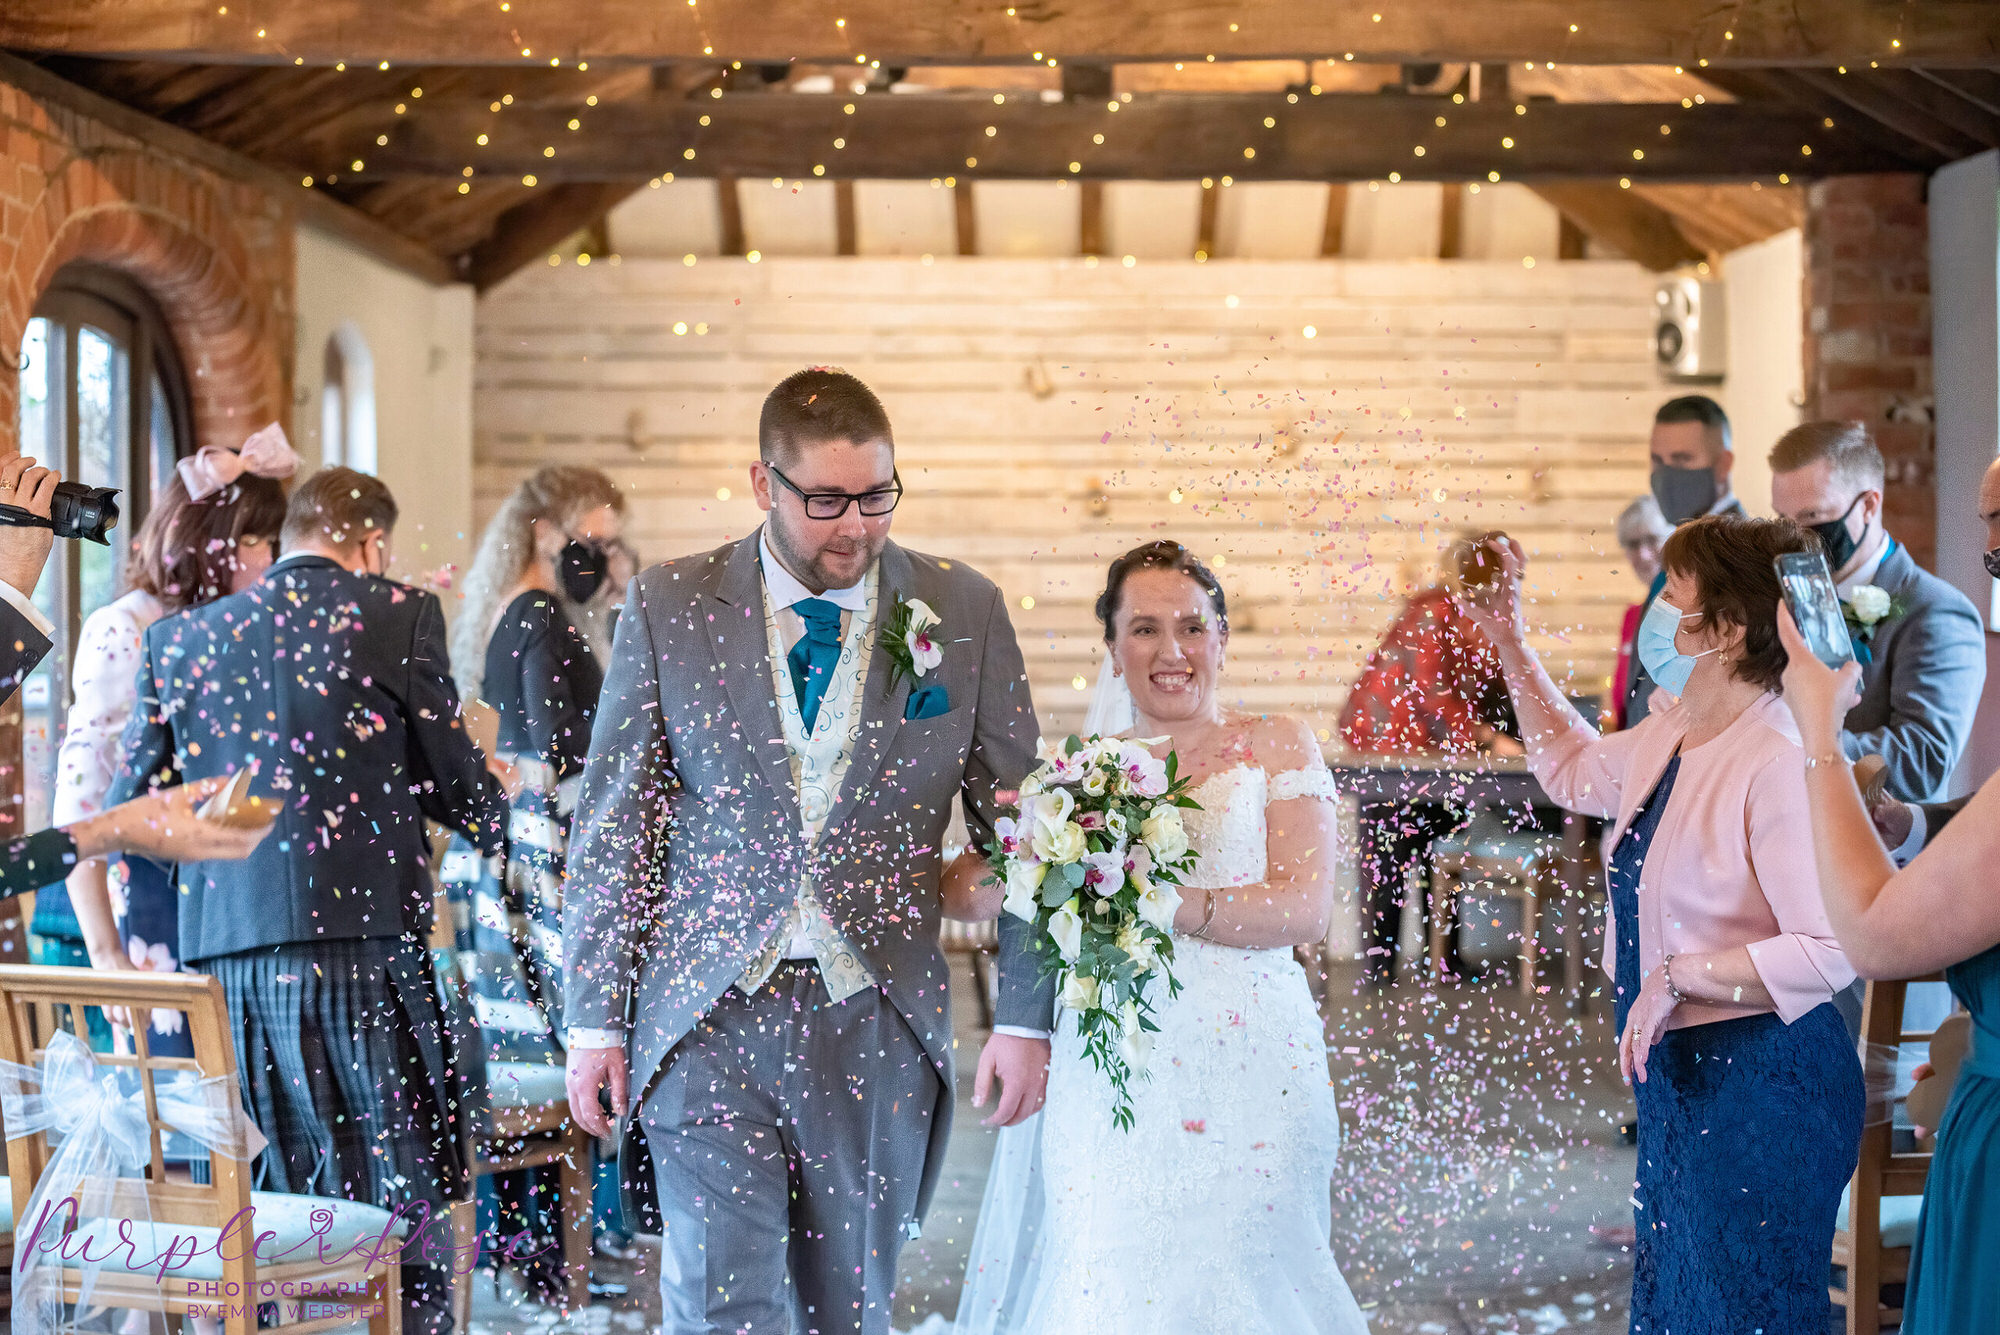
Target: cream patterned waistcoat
column 819, row 764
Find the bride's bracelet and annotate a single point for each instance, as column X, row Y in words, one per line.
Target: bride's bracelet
column 1207, row 918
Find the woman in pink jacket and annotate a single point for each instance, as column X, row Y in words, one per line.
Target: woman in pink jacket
column 1749, row 1092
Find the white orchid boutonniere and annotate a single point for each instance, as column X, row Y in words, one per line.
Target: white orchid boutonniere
column 912, row 648
column 1864, row 611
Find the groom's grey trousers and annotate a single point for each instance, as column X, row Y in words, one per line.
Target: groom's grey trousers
column 788, row 1135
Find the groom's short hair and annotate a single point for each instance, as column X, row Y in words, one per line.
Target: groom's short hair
column 816, row 405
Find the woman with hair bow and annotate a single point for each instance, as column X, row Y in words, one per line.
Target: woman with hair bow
column 211, row 531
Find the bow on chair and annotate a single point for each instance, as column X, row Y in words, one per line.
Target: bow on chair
column 211, row 468
column 99, row 1131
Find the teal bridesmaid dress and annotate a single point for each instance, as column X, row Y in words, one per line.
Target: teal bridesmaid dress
column 1954, row 1286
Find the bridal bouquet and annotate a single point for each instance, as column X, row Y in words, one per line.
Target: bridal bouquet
column 1092, row 861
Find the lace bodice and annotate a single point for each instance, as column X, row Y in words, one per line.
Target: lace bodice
column 1228, row 833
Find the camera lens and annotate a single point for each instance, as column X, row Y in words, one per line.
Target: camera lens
column 77, row 511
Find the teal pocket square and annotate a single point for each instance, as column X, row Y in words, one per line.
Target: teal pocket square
column 926, row 702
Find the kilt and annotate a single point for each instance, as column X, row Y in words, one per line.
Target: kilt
column 349, row 1067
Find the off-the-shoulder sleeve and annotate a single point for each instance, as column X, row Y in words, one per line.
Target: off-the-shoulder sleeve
column 105, row 687
column 1308, row 781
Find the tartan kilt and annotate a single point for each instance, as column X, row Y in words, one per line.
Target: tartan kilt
column 350, row 1067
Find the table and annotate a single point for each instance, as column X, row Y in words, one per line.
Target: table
column 1476, row 782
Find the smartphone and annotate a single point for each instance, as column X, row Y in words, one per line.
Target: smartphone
column 1815, row 605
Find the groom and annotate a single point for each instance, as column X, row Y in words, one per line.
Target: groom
column 752, row 907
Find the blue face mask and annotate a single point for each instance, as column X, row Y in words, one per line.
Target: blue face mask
column 1666, row 665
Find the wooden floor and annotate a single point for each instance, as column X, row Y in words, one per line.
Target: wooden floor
column 1480, row 1142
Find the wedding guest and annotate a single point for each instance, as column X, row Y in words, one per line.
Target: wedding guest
column 162, row 825
column 212, row 530
column 1642, row 529
column 332, row 684
column 1691, row 465
column 1907, row 827
column 1749, row 1092
column 598, row 618
column 1432, row 687
column 545, row 553
column 1921, row 644
column 1905, row 924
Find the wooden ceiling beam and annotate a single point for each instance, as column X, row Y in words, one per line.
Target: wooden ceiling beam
column 1879, row 105
column 1617, row 219
column 1162, row 137
column 315, row 207
column 1941, row 103
column 1834, row 115
column 1937, row 33
column 528, row 231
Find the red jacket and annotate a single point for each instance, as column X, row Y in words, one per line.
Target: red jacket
column 1429, row 686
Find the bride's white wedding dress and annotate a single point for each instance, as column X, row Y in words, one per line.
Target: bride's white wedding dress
column 1213, row 1212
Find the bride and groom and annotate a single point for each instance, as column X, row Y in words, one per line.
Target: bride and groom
column 753, row 976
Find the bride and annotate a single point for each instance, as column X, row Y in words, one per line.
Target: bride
column 1213, row 1212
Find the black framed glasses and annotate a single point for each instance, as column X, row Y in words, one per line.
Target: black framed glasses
column 833, row 504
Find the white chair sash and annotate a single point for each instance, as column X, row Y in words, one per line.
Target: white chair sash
column 102, row 1146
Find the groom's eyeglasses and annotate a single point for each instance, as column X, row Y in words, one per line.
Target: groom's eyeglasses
column 833, row 504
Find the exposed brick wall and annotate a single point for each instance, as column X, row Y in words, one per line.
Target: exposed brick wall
column 216, row 254
column 1868, row 333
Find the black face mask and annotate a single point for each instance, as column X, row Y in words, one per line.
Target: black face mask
column 580, row 567
column 1683, row 493
column 1839, row 543
column 1992, row 559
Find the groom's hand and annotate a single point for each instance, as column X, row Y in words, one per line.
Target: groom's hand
column 590, row 1070
column 1022, row 1066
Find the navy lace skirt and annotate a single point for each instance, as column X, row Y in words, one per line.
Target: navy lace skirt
column 1747, row 1132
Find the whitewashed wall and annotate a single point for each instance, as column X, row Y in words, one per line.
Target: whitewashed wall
column 1050, row 413
column 419, row 340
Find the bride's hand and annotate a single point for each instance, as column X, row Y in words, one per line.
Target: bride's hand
column 1495, row 607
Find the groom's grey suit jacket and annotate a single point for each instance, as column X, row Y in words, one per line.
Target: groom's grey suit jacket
column 687, row 845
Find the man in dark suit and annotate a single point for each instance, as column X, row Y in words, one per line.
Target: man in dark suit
column 1921, row 645
column 1691, row 464
column 331, row 683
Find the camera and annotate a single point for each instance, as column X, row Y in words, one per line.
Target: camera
column 75, row 511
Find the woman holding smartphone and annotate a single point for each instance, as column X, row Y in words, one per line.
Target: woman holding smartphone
column 1902, row 925
column 1749, row 1092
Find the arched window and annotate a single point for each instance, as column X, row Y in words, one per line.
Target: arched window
column 102, row 397
column 347, row 401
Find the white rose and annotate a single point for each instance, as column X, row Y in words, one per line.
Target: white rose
column 1066, row 930
column 1024, row 886
column 1158, row 904
column 1164, row 834
column 1079, row 992
column 1870, row 604
column 1139, row 946
column 1066, row 843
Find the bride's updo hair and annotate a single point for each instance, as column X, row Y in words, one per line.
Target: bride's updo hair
column 1161, row 555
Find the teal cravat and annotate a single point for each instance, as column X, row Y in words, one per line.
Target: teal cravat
column 813, row 657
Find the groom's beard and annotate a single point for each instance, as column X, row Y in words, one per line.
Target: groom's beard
column 837, row 564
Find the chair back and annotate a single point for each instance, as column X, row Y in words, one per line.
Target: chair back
column 1882, row 1170
column 37, row 1002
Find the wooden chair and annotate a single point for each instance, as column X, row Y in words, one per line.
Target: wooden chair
column 1877, row 1225
column 34, row 1003
column 1521, row 866
column 524, row 1123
